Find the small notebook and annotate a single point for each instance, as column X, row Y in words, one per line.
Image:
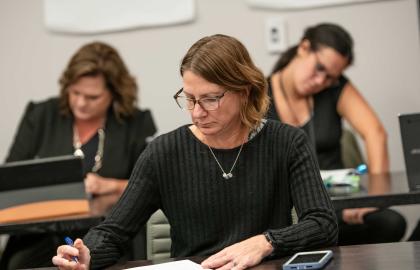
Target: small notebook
column 40, row 172
column 42, row 179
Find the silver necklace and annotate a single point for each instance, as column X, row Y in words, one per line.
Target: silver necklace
column 225, row 175
column 77, row 144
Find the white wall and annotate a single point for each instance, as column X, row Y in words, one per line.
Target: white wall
column 386, row 70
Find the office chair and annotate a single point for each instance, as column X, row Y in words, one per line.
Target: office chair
column 158, row 237
column 350, row 150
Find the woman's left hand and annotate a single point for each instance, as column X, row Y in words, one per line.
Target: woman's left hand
column 242, row 255
column 96, row 184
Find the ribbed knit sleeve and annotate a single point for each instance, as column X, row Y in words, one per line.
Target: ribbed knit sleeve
column 317, row 224
column 140, row 199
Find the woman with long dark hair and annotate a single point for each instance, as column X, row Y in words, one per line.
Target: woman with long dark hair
column 310, row 91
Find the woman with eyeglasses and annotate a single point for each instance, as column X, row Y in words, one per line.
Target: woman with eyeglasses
column 95, row 116
column 310, row 91
column 227, row 182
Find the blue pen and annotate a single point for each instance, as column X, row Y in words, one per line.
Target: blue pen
column 70, row 243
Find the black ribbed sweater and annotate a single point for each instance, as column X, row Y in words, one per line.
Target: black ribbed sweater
column 177, row 173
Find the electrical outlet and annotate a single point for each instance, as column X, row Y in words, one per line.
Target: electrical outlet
column 275, row 34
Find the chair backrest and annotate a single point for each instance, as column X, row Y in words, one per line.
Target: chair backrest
column 350, row 150
column 158, row 237
column 295, row 218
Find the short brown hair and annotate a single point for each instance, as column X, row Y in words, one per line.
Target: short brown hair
column 224, row 60
column 98, row 58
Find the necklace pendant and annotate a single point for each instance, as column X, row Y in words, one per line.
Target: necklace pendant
column 79, row 153
column 227, row 175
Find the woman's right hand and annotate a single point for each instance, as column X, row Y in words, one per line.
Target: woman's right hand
column 355, row 216
column 65, row 254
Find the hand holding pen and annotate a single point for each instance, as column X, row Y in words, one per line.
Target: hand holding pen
column 70, row 243
column 72, row 256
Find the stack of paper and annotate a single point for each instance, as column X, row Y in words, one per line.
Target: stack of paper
column 343, row 177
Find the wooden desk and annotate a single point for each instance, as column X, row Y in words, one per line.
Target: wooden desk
column 400, row 255
column 98, row 207
column 378, row 190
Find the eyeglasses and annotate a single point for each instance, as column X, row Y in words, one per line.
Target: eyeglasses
column 207, row 103
column 320, row 70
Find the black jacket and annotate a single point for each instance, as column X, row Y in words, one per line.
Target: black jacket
column 44, row 132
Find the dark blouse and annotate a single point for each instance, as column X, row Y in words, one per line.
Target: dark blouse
column 89, row 152
column 325, row 126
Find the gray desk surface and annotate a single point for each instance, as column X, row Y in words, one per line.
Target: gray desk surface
column 378, row 190
column 392, row 256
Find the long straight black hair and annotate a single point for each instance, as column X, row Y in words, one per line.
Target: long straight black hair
column 321, row 35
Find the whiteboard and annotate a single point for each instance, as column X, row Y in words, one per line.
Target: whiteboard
column 97, row 16
column 302, row 4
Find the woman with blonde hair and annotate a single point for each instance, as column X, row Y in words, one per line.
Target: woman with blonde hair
column 226, row 182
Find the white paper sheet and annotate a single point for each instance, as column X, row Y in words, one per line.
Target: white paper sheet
column 176, row 265
column 336, row 174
